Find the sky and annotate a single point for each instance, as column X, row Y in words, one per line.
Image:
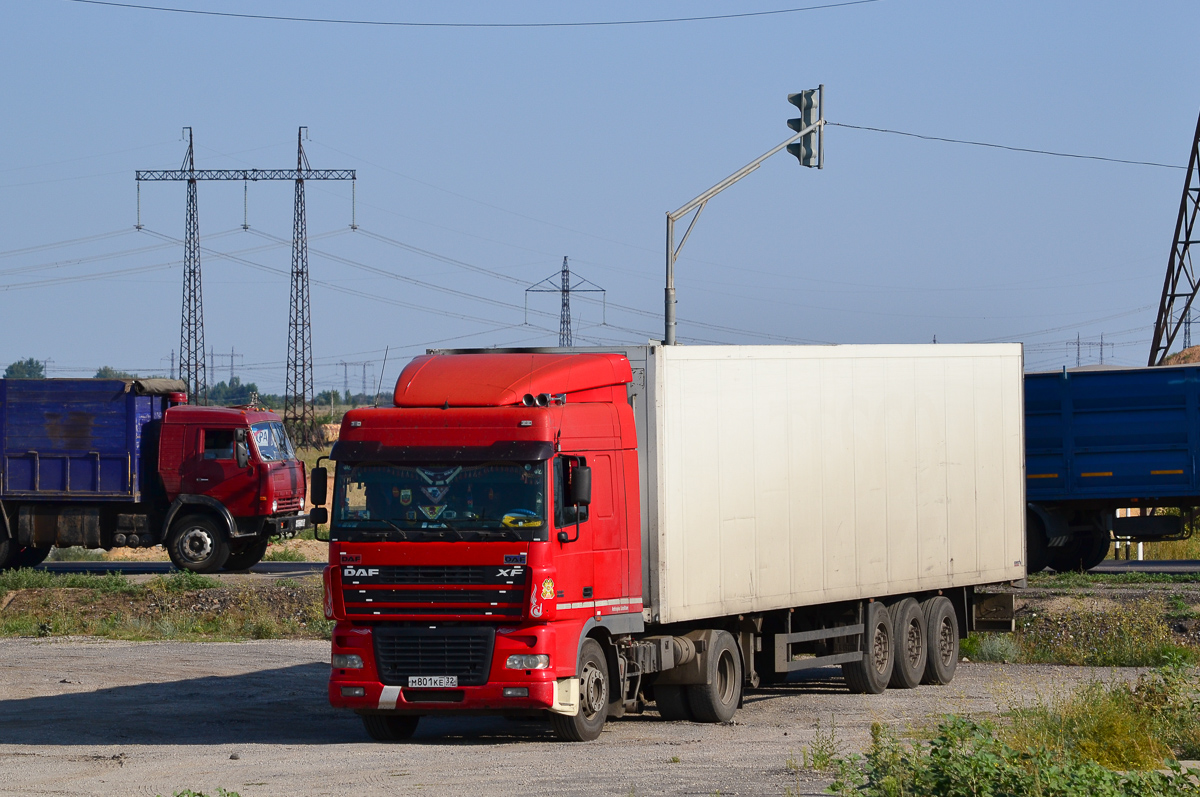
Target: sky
column 484, row 155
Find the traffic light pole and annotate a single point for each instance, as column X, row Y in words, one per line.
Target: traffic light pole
column 699, row 202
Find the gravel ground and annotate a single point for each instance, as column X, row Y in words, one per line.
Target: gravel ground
column 90, row 717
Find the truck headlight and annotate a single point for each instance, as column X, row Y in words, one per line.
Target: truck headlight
column 275, row 506
column 347, row 661
column 537, row 661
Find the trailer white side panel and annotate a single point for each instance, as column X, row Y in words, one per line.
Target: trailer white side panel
column 796, row 475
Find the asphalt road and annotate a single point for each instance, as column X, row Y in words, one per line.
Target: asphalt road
column 1167, row 566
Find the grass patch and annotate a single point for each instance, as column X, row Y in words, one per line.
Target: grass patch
column 1100, row 740
column 1131, row 635
column 280, row 554
column 966, row 759
column 1002, row 648
column 182, row 606
column 1082, row 580
column 111, row 582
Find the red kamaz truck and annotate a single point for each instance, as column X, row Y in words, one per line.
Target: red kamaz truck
column 576, row 534
column 110, row 463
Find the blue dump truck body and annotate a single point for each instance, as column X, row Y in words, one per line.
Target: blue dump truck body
column 1099, row 440
column 76, row 439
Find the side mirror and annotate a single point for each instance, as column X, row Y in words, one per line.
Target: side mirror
column 318, row 516
column 239, row 435
column 318, row 479
column 241, row 453
column 581, row 485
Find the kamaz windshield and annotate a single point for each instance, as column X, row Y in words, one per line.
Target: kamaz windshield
column 272, row 441
column 446, row 502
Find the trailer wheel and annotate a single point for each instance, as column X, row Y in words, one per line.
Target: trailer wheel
column 248, row 556
column 672, row 702
column 870, row 674
column 1082, row 553
column 1096, row 549
column 30, row 556
column 942, row 625
column 196, row 543
column 390, row 727
column 1037, row 551
column 586, row 725
column 912, row 649
column 717, row 700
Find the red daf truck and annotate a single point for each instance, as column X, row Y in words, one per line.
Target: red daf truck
column 110, row 463
column 577, row 534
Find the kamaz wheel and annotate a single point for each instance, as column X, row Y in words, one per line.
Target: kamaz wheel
column 390, row 727
column 587, row 723
column 198, row 544
column 248, row 556
column 30, row 556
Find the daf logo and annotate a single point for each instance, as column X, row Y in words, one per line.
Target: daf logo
column 510, row 572
column 358, row 572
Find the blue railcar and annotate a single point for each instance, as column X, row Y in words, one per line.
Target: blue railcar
column 1102, row 439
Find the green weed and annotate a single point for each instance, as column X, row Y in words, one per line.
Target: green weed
column 825, row 748
column 991, row 647
column 279, row 554
column 1127, row 636
column 44, row 579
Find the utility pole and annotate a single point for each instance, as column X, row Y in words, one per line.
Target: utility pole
column 564, row 316
column 808, row 145
column 1179, row 264
column 564, row 289
column 298, row 411
column 232, row 356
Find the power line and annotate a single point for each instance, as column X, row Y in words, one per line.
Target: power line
column 1007, row 147
column 385, row 23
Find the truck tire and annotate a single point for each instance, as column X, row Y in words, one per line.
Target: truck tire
column 8, row 550
column 941, row 624
column 912, row 648
column 248, row 556
column 1096, row 549
column 390, row 727
column 30, row 556
column 198, row 544
column 587, row 723
column 1037, row 552
column 870, row 674
column 672, row 702
column 717, row 700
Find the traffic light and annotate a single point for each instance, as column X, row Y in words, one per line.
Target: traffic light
column 808, row 149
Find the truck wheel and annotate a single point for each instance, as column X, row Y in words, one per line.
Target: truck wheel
column 1095, row 549
column 593, row 698
column 196, row 543
column 249, row 556
column 870, row 674
column 30, row 556
column 717, row 700
column 912, row 649
column 942, row 625
column 1037, row 552
column 390, row 727
column 8, row 550
column 1074, row 557
column 672, row 702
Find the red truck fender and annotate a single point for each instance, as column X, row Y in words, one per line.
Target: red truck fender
column 212, row 504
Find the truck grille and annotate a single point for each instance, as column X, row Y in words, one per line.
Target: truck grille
column 462, row 652
column 412, row 591
column 289, row 504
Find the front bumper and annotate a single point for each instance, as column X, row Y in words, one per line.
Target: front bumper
column 286, row 525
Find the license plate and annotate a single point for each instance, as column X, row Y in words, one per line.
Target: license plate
column 301, row 522
column 432, row 681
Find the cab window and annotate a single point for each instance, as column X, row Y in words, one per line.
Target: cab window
column 218, row 444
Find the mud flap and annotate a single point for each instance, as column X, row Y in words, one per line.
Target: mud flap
column 566, row 696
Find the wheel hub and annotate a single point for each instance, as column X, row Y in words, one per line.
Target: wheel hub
column 196, row 546
column 592, row 690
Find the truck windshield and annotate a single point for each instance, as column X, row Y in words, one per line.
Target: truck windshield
column 272, row 441
column 453, row 501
